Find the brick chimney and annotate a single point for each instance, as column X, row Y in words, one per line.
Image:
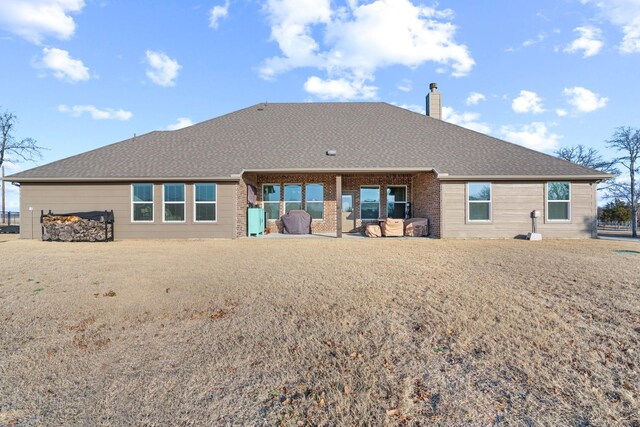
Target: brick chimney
column 434, row 102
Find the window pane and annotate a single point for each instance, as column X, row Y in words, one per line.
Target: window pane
column 174, row 192
column 396, row 194
column 143, row 192
column 370, row 210
column 174, row 212
column 558, row 191
column 143, row 211
column 369, row 194
column 292, row 206
column 314, row 192
column 479, row 191
column 205, row 212
column 293, row 192
column 205, row 192
column 271, row 193
column 315, row 209
column 479, row 211
column 272, row 210
column 347, row 204
column 558, row 210
column 395, row 210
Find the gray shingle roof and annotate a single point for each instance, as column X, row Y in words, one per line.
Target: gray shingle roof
column 296, row 136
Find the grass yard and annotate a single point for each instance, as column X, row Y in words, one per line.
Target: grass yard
column 300, row 332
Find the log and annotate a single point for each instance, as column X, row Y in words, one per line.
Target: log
column 74, row 229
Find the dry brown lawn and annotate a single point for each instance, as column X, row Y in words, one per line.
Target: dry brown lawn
column 301, row 332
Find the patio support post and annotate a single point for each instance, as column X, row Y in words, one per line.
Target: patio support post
column 338, row 205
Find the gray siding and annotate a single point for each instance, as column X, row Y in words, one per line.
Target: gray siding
column 61, row 198
column 512, row 203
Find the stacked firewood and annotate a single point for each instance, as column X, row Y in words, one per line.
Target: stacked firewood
column 73, row 229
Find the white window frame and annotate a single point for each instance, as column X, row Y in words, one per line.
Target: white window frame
column 406, row 197
column 546, row 197
column 284, row 196
column 184, row 203
column 379, row 201
column 280, row 196
column 490, row 201
column 152, row 202
column 196, row 203
column 320, row 202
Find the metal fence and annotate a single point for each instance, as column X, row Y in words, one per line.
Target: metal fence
column 9, row 218
column 614, row 225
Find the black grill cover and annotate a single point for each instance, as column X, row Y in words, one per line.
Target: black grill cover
column 296, row 222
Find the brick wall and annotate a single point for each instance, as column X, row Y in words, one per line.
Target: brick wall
column 241, row 203
column 328, row 223
column 426, row 200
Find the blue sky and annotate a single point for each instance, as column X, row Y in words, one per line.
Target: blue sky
column 81, row 74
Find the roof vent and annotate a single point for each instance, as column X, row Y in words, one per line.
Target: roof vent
column 331, row 152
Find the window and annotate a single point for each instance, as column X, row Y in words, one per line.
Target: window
column 369, row 202
column 396, row 201
column 271, row 200
column 558, row 201
column 479, row 201
column 292, row 197
column 314, row 200
column 142, row 202
column 173, row 202
column 205, row 196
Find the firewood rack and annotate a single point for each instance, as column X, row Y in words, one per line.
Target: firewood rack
column 106, row 217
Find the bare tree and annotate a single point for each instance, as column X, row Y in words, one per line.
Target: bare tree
column 20, row 150
column 627, row 141
column 588, row 157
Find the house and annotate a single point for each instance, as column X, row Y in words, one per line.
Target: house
column 347, row 164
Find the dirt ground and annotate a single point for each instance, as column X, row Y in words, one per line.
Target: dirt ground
column 302, row 332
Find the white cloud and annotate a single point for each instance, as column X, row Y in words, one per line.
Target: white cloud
column 36, row 19
column 351, row 42
column 217, row 13
column 465, row 119
column 163, row 70
column 182, row 122
column 63, row 66
column 527, row 102
column 561, row 112
column 474, row 98
column 631, row 40
column 583, row 100
column 535, row 136
column 529, row 42
column 590, row 41
column 405, row 85
column 96, row 113
column 339, row 88
column 539, row 39
column 626, row 15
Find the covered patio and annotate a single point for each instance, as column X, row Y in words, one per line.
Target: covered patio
column 342, row 204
